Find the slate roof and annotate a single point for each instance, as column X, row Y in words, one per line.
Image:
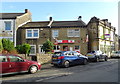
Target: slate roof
column 36, row 24
column 10, row 15
column 68, row 23
column 78, row 23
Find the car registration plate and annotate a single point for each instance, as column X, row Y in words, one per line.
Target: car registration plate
column 89, row 55
column 54, row 58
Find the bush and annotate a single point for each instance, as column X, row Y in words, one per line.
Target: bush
column 7, row 45
column 47, row 46
column 23, row 49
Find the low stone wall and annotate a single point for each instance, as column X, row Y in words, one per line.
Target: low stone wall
column 44, row 58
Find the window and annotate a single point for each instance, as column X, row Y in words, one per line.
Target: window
column 7, row 25
column 15, row 59
column 55, row 33
column 40, row 49
column 33, row 50
column 77, row 47
column 3, row 59
column 32, row 33
column 73, row 33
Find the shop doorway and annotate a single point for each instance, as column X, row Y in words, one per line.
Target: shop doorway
column 65, row 48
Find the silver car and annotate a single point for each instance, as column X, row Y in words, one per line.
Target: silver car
column 115, row 54
column 97, row 56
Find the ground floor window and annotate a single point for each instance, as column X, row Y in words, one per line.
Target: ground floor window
column 77, row 48
column 33, row 50
column 40, row 49
column 56, row 48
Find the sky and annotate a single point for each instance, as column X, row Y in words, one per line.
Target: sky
column 65, row 11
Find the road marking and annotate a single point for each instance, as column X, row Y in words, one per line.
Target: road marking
column 54, row 76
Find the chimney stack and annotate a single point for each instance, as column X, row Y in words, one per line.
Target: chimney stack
column 26, row 10
column 80, row 17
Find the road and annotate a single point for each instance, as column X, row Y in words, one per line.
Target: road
column 92, row 72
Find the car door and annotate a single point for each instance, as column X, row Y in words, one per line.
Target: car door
column 17, row 64
column 4, row 64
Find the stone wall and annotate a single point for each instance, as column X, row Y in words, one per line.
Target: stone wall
column 44, row 58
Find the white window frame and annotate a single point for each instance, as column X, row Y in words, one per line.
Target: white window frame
column 53, row 31
column 10, row 25
column 74, row 32
column 40, row 49
column 35, row 50
column 32, row 33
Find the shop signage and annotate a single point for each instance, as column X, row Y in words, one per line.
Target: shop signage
column 66, row 41
column 107, row 35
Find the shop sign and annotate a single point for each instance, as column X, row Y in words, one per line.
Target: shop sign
column 66, row 41
column 107, row 35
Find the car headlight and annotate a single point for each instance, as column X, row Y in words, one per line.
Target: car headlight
column 39, row 63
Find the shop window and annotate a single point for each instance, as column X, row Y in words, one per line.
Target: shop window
column 77, row 47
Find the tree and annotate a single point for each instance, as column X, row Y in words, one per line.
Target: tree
column 7, row 45
column 23, row 49
column 47, row 46
column 1, row 46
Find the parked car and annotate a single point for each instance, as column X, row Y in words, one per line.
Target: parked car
column 97, row 56
column 115, row 54
column 14, row 64
column 67, row 58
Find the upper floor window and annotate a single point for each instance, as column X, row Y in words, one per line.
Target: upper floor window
column 55, row 33
column 7, row 25
column 32, row 33
column 73, row 33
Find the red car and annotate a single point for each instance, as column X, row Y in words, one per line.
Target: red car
column 14, row 64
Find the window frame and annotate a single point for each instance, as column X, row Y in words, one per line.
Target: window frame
column 32, row 30
column 10, row 25
column 54, row 32
column 73, row 33
column 35, row 50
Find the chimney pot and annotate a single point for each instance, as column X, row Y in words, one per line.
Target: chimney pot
column 80, row 17
column 26, row 10
column 50, row 18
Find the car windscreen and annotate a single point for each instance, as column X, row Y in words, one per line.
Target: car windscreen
column 57, row 54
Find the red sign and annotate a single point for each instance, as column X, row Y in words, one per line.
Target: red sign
column 66, row 41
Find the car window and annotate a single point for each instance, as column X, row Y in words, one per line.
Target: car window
column 3, row 59
column 69, row 53
column 15, row 59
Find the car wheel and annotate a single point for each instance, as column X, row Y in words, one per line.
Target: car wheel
column 66, row 64
column 33, row 69
column 106, row 58
column 85, row 61
column 97, row 59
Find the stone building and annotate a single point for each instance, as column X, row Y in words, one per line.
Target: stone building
column 9, row 23
column 101, row 35
column 66, row 35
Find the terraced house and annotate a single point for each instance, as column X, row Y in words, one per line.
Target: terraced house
column 66, row 35
column 9, row 23
column 101, row 35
